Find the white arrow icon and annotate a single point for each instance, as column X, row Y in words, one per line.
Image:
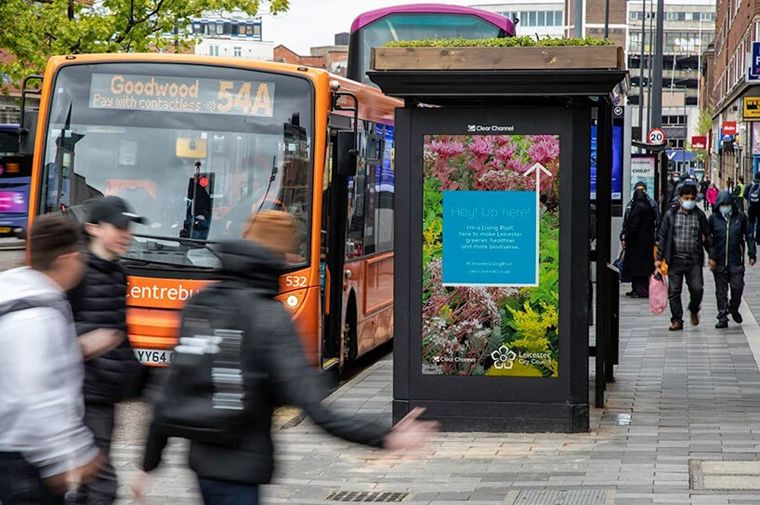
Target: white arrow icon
column 538, row 169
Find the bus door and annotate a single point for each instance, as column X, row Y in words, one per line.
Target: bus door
column 334, row 219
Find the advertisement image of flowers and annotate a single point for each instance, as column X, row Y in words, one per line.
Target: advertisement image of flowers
column 481, row 329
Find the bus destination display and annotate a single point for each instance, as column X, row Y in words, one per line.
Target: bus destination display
column 176, row 94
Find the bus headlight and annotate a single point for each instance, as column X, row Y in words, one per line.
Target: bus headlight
column 293, row 300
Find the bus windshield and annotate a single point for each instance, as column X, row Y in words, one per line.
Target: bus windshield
column 195, row 149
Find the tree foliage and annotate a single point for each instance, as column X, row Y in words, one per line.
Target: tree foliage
column 705, row 121
column 35, row 30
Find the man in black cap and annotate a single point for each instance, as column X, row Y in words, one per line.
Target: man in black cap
column 683, row 239
column 99, row 303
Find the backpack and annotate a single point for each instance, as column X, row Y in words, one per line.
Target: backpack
column 754, row 193
column 206, row 396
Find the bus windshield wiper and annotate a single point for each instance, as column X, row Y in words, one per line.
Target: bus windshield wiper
column 142, row 261
column 205, row 244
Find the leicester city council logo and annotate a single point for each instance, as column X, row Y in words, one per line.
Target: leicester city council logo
column 503, row 358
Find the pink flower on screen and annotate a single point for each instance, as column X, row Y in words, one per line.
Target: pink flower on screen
column 545, row 149
column 481, row 146
column 505, row 153
column 446, row 149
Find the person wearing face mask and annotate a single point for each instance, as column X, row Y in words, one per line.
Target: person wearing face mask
column 729, row 231
column 683, row 238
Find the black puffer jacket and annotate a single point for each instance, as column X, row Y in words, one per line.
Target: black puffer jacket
column 100, row 302
column 272, row 352
column 730, row 234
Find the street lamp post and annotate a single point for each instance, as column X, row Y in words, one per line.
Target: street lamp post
column 683, row 88
column 659, row 48
column 641, row 68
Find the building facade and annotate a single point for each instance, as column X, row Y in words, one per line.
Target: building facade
column 543, row 18
column 332, row 58
column 234, row 34
column 735, row 149
column 593, row 22
column 689, row 27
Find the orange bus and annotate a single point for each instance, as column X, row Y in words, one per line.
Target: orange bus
column 197, row 144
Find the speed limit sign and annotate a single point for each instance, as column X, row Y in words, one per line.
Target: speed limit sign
column 656, row 136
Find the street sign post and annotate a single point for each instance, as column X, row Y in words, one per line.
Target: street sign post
column 656, row 136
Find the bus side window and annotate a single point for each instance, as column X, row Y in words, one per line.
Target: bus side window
column 373, row 164
column 384, row 193
column 356, row 203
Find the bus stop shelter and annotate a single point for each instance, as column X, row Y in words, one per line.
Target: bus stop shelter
column 492, row 240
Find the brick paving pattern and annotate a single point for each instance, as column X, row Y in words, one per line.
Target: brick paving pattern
column 680, row 399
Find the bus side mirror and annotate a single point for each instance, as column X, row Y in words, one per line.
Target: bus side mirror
column 346, row 155
column 27, row 132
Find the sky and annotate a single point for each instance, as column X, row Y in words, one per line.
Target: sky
column 311, row 23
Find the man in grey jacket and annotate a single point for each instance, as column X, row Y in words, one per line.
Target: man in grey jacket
column 45, row 449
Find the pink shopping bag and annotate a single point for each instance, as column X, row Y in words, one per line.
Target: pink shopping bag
column 658, row 293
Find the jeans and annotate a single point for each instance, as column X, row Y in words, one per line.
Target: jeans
column 102, row 489
column 20, row 483
column 219, row 492
column 676, row 274
column 731, row 276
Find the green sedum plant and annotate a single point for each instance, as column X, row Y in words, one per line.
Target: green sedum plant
column 523, row 41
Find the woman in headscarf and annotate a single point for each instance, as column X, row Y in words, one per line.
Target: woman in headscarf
column 639, row 230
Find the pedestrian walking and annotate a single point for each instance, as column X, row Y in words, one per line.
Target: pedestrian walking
column 704, row 185
column 99, row 301
column 675, row 196
column 738, row 194
column 753, row 203
column 231, row 449
column 638, row 241
column 45, row 448
column 729, row 231
column 683, row 239
column 711, row 195
column 670, row 192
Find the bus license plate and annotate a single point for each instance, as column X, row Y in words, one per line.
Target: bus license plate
column 5, row 229
column 154, row 356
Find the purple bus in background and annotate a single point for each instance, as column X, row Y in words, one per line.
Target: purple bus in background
column 415, row 22
column 15, row 181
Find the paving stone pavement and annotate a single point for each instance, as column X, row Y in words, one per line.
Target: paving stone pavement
column 680, row 398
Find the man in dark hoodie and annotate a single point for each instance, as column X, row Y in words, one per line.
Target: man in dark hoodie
column 729, row 231
column 231, row 471
column 683, row 238
column 99, row 303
